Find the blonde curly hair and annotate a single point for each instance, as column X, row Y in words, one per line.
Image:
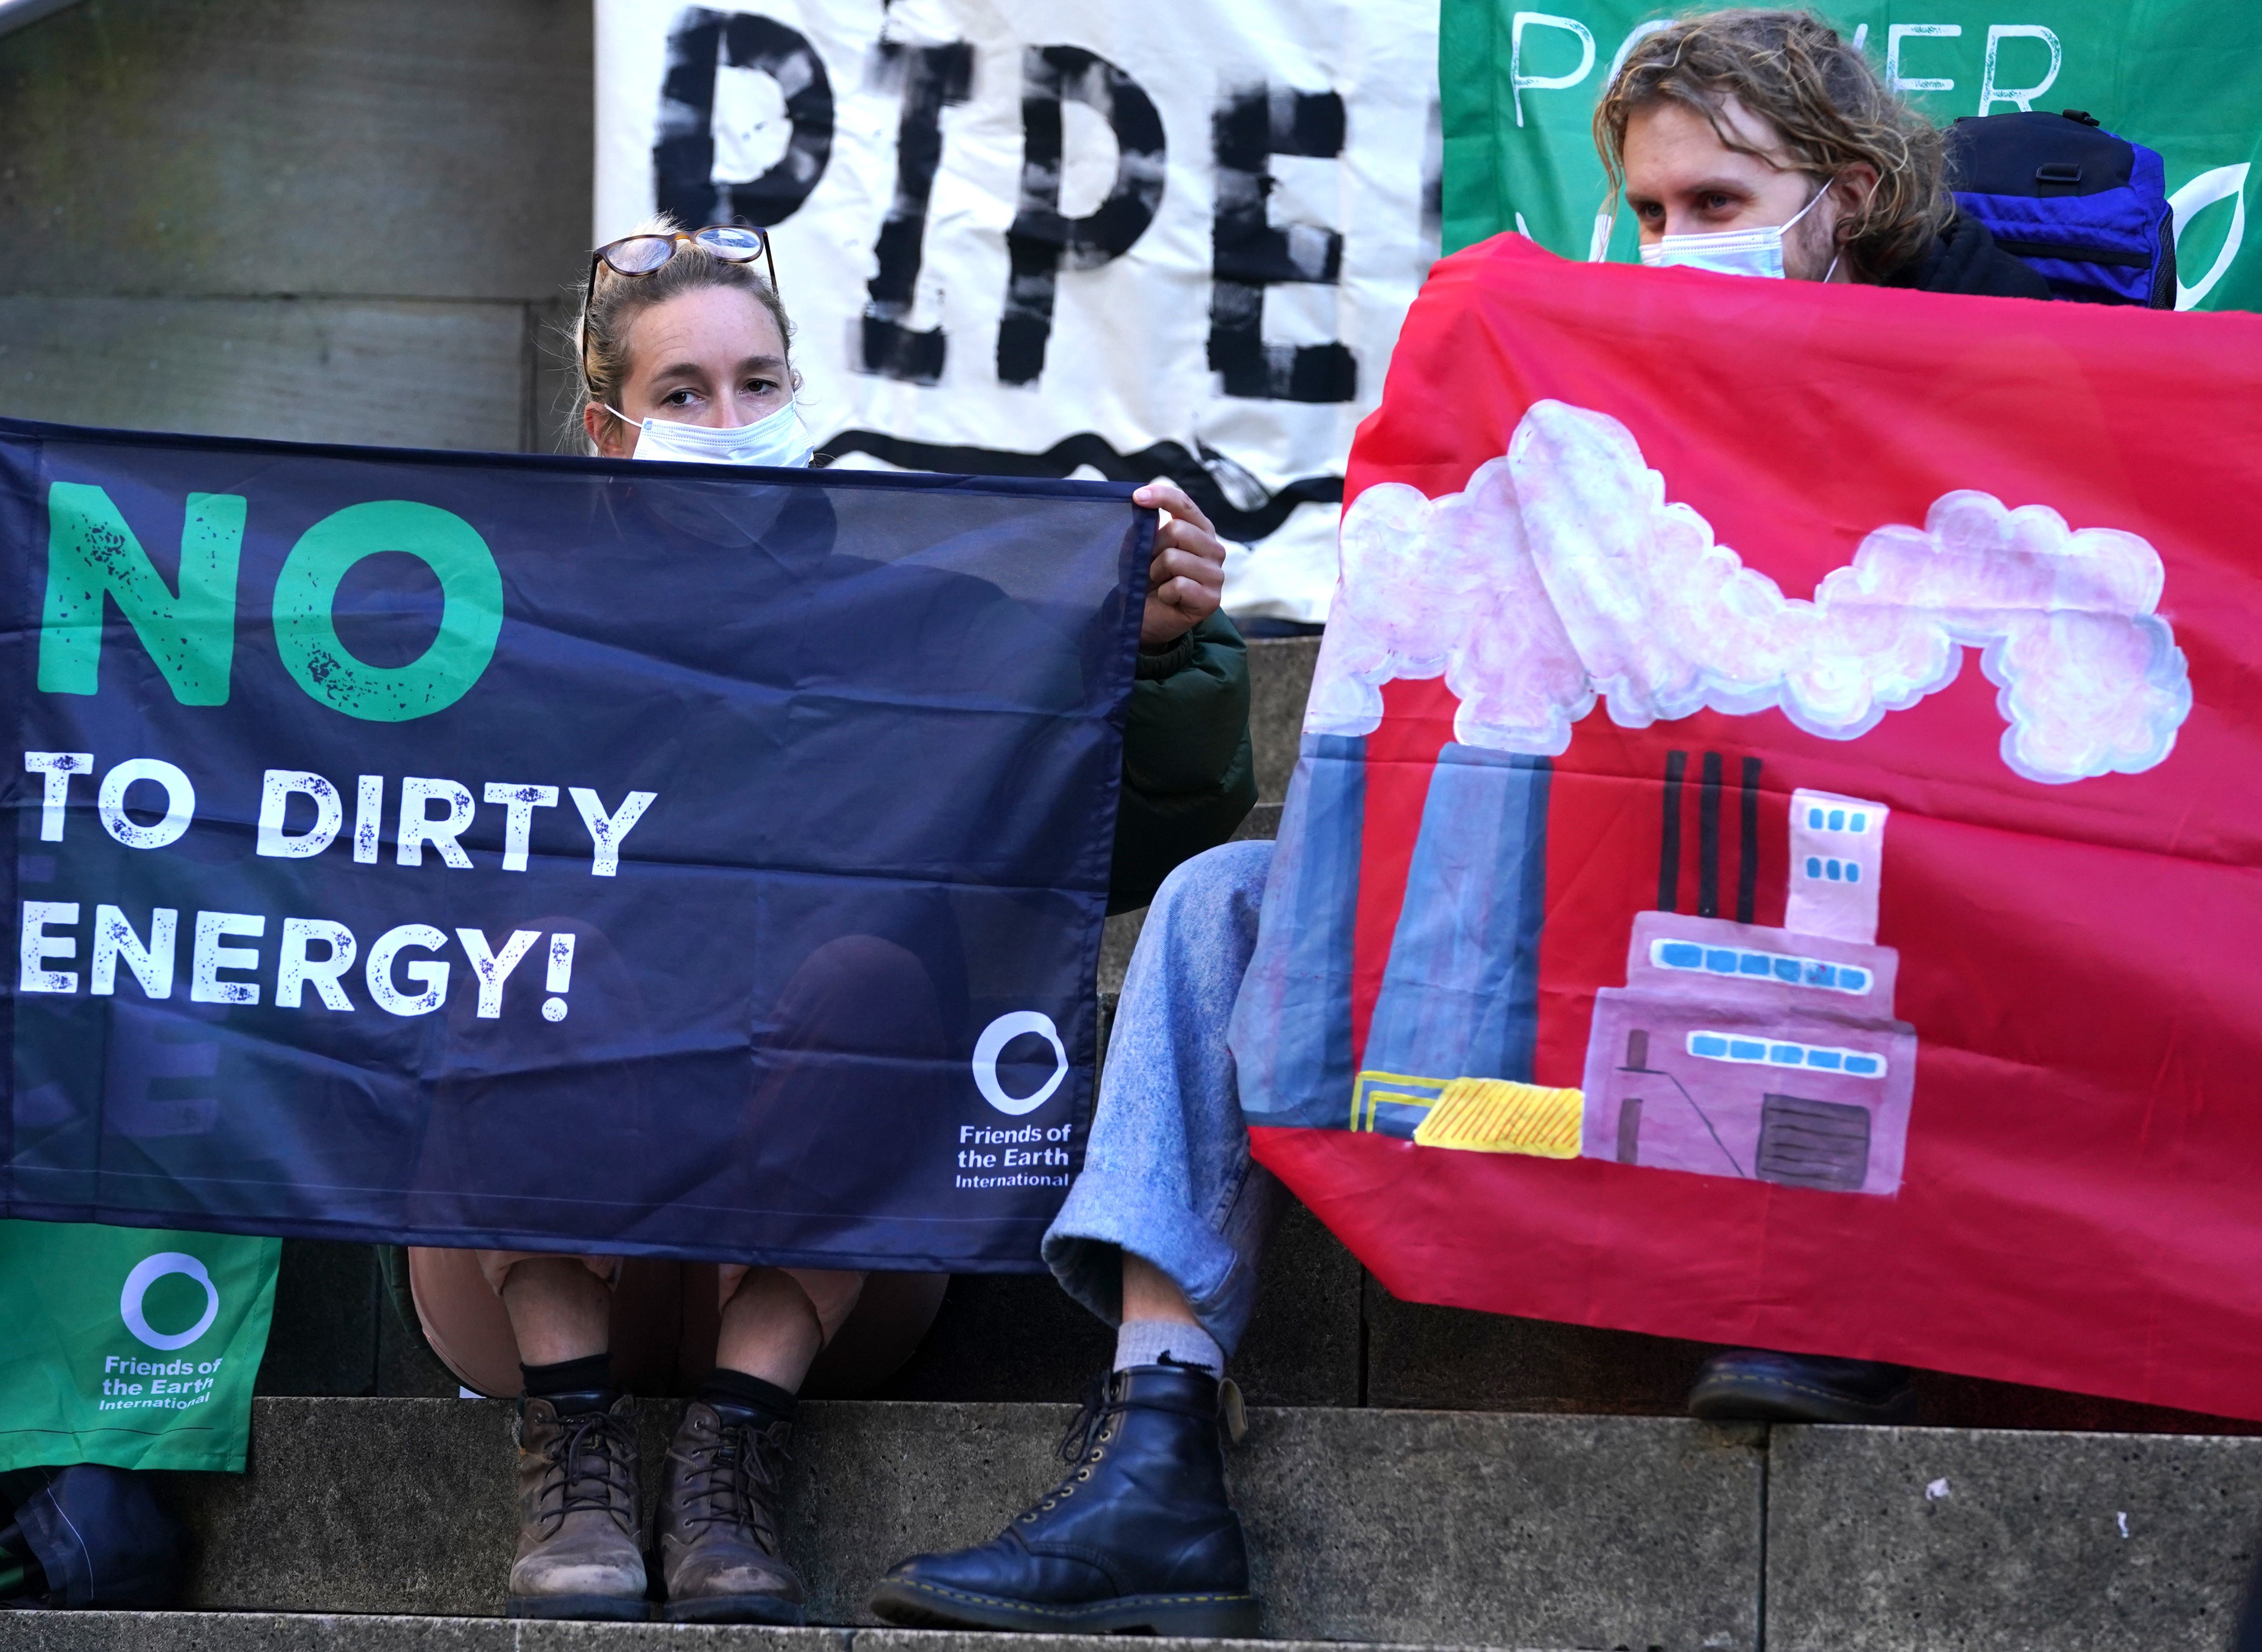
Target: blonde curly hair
column 1807, row 81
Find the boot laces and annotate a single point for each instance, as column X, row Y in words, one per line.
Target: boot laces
column 585, row 1466
column 1084, row 1443
column 738, row 1486
column 1098, row 1405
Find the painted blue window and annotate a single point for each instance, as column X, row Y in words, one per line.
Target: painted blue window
column 1775, row 1053
column 1861, row 822
column 1814, row 819
column 1752, row 963
column 1819, row 974
column 1787, row 970
column 1813, row 867
column 1720, row 962
column 1837, row 819
column 1682, row 955
column 1853, row 873
column 1852, row 979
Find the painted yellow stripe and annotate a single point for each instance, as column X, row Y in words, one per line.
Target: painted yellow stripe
column 1499, row 1115
column 1367, row 1091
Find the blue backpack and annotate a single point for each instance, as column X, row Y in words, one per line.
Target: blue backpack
column 88, row 1535
column 2087, row 211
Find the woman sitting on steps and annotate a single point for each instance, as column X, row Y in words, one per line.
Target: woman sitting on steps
column 685, row 353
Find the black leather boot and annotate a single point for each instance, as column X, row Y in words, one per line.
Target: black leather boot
column 1755, row 1385
column 1138, row 1537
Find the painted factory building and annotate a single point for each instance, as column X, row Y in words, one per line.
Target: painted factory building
column 1736, row 1050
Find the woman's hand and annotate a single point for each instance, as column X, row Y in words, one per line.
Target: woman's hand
column 1185, row 581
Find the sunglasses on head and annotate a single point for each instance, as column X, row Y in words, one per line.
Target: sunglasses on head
column 634, row 256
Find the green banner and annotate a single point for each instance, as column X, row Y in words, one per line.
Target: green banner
column 2186, row 79
column 132, row 1347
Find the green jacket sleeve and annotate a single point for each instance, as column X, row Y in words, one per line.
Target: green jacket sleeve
column 1189, row 772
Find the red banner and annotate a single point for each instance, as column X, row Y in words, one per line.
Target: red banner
column 1776, row 855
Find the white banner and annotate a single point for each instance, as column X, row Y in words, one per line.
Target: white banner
column 1140, row 239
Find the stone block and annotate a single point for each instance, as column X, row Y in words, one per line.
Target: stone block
column 255, row 1632
column 553, row 379
column 358, row 1506
column 323, row 1337
column 992, row 1641
column 396, row 375
column 322, row 1632
column 1944, row 1540
column 1303, row 1345
column 872, row 1483
column 271, row 1632
column 1262, row 821
column 1457, row 1359
column 1511, row 1531
column 393, row 149
column 1279, row 683
column 1116, row 943
column 1947, row 1401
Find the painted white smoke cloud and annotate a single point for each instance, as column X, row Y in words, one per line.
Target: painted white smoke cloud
column 1561, row 573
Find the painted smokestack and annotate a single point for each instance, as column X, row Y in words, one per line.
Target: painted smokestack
column 1708, row 837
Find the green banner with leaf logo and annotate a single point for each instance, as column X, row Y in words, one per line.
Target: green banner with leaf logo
column 2186, row 79
column 132, row 1347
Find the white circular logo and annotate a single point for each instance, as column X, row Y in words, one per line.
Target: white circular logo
column 991, row 1044
column 147, row 1272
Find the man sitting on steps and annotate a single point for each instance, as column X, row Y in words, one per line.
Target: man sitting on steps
column 1770, row 137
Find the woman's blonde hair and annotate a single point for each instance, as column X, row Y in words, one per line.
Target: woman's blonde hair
column 1799, row 74
column 600, row 333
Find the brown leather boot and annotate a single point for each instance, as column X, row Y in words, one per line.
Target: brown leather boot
column 718, row 1520
column 577, row 1514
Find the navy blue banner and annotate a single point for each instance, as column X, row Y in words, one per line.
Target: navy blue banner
column 549, row 853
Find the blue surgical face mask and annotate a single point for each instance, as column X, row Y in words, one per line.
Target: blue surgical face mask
column 1746, row 252
column 778, row 440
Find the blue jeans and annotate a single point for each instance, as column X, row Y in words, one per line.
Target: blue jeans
column 1167, row 1174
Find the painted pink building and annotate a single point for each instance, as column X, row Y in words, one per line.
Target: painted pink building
column 1736, row 1050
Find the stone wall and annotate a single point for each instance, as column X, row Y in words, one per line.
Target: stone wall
column 356, row 220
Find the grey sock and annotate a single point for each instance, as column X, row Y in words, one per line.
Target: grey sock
column 1145, row 1342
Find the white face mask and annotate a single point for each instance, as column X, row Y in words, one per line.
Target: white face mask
column 777, row 440
column 1746, row 252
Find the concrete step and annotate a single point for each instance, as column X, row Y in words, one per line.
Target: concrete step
column 280, row 1632
column 1279, row 683
column 1367, row 1525
column 1910, row 1539
column 1441, row 1528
